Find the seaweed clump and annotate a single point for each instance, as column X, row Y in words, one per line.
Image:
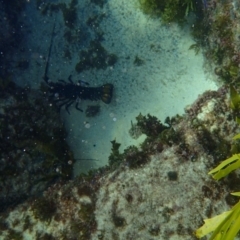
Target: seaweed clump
column 150, row 125
column 132, row 156
column 135, row 157
column 44, row 209
column 168, row 10
column 157, row 133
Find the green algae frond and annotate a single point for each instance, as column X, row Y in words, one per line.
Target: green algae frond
column 227, row 224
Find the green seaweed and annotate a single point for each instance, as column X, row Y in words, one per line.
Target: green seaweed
column 134, row 157
column 150, row 125
column 168, row 10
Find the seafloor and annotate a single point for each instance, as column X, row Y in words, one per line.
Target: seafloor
column 166, row 198
column 155, row 71
column 160, row 190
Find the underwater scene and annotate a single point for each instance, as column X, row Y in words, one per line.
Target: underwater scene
column 119, row 120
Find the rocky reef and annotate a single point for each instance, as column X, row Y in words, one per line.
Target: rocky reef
column 34, row 153
column 166, row 197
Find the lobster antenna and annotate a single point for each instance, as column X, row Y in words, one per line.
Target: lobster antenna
column 45, row 77
column 85, row 159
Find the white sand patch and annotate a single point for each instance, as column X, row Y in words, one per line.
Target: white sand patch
column 170, row 78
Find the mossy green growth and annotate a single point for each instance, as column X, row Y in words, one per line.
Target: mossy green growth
column 132, row 156
column 135, row 157
column 229, row 73
column 153, row 7
column 234, row 99
column 150, row 125
column 222, row 25
column 168, row 10
column 235, row 103
column 157, row 135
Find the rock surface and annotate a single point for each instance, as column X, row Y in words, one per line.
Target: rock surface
column 166, row 198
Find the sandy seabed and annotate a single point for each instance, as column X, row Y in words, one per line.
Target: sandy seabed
column 169, row 77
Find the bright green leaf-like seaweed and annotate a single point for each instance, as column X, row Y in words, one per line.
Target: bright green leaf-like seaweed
column 234, row 99
column 227, row 166
column 225, row 226
column 236, row 136
column 211, row 224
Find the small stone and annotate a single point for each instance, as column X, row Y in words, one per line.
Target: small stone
column 172, row 176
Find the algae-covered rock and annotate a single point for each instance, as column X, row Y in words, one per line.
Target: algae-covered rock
column 147, row 194
column 33, row 150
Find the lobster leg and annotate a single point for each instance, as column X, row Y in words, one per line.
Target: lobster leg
column 68, row 105
column 78, row 108
column 65, row 103
column 70, row 79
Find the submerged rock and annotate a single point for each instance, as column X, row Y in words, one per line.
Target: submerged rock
column 33, row 150
column 143, row 202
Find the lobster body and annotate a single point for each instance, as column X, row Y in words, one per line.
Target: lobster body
column 66, row 93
